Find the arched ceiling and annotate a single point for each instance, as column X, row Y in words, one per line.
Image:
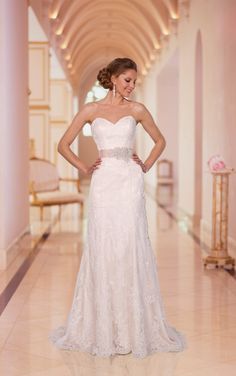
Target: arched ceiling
column 87, row 34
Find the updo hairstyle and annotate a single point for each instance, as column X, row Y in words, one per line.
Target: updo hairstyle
column 115, row 67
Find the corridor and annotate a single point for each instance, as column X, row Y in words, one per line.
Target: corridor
column 199, row 302
column 55, row 60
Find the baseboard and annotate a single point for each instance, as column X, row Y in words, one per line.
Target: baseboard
column 8, row 254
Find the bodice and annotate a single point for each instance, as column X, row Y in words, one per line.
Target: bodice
column 108, row 135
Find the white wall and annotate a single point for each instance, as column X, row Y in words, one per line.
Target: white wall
column 154, row 94
column 35, row 30
column 214, row 20
column 167, row 110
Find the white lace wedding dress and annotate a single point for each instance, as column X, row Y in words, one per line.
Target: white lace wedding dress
column 117, row 306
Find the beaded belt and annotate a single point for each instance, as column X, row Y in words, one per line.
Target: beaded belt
column 117, row 152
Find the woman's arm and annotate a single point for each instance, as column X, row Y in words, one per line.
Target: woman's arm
column 146, row 119
column 80, row 119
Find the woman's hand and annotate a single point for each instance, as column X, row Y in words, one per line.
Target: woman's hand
column 138, row 160
column 94, row 166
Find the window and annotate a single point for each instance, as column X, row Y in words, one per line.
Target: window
column 96, row 93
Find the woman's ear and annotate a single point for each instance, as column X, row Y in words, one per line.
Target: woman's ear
column 113, row 79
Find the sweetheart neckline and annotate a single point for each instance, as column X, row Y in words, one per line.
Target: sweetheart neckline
column 111, row 122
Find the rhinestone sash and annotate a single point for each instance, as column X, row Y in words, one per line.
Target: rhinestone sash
column 117, row 152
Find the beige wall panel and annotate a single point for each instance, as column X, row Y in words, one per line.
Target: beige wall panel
column 39, row 73
column 65, row 168
column 61, row 115
column 61, row 101
column 39, row 131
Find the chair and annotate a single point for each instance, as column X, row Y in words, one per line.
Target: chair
column 165, row 174
column 45, row 187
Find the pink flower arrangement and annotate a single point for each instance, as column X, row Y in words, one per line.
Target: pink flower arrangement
column 216, row 163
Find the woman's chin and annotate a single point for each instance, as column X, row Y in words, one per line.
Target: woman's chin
column 127, row 95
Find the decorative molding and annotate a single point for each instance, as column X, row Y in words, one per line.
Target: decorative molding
column 39, row 130
column 38, row 43
column 39, row 73
column 39, row 107
column 45, row 8
column 58, row 122
column 158, row 54
column 61, row 97
column 184, row 7
column 32, row 147
column 164, row 41
column 173, row 25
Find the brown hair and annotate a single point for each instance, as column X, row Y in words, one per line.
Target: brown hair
column 115, row 67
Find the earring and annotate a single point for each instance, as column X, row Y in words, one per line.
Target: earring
column 114, row 90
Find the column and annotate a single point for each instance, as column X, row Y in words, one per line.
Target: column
column 219, row 244
column 14, row 150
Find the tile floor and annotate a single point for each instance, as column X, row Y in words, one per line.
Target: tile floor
column 200, row 303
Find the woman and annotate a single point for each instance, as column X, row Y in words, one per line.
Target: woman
column 117, row 307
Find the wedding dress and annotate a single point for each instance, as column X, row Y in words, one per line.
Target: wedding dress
column 117, row 306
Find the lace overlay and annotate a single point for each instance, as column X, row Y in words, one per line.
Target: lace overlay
column 117, row 306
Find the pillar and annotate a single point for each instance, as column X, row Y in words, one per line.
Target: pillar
column 14, row 150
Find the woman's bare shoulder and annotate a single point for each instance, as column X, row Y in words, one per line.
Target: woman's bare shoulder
column 134, row 104
column 88, row 110
column 138, row 109
column 90, row 106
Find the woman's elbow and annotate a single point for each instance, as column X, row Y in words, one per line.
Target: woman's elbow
column 163, row 143
column 60, row 148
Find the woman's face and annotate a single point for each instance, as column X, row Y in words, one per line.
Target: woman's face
column 125, row 82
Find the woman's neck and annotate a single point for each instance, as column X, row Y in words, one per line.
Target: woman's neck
column 116, row 100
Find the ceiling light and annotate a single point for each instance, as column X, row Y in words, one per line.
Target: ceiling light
column 63, row 46
column 144, row 72
column 58, row 32
column 152, row 57
column 53, row 16
column 67, row 57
